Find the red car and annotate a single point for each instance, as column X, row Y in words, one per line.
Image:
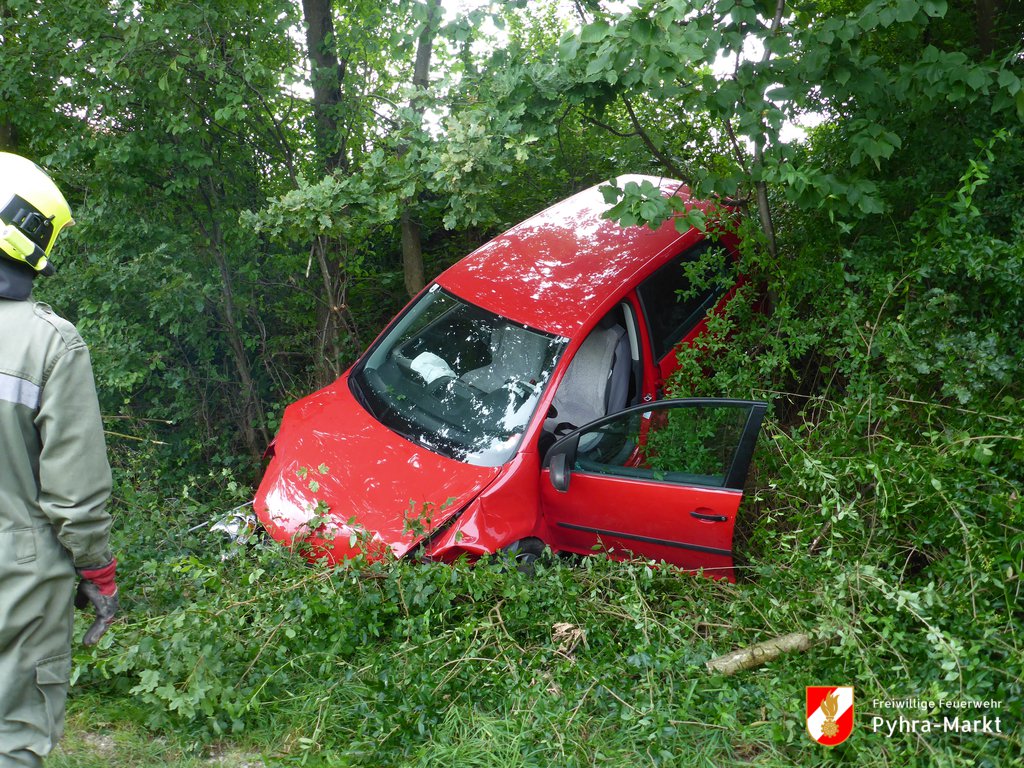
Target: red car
column 514, row 404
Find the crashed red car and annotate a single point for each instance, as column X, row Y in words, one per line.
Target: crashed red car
column 515, row 404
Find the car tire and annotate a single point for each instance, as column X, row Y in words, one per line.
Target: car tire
column 525, row 553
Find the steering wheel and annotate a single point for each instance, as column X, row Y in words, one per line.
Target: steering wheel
column 453, row 385
column 522, row 389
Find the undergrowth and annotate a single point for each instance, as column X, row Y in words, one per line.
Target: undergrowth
column 591, row 662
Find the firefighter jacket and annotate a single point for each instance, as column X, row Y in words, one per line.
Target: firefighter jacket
column 54, row 485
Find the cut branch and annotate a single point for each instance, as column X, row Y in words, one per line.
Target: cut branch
column 761, row 653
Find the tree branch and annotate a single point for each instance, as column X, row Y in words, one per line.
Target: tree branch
column 662, row 158
column 612, row 130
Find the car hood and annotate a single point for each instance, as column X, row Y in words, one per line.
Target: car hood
column 339, row 482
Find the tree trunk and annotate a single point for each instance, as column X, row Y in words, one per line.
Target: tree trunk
column 250, row 418
column 327, row 74
column 764, row 210
column 330, row 350
column 412, row 246
column 327, row 78
column 425, row 49
column 412, row 253
column 984, row 12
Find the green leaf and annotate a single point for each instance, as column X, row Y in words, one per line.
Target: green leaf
column 1009, row 81
column 643, row 31
column 599, row 65
column 983, row 453
column 593, row 33
column 978, row 79
column 907, row 10
column 610, row 193
column 649, row 210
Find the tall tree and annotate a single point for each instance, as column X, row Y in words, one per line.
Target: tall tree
column 412, row 247
column 327, row 76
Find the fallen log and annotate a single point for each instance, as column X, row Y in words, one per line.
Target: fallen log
column 758, row 654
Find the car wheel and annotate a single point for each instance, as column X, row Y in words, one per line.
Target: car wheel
column 526, row 553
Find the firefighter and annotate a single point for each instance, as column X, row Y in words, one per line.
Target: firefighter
column 54, row 477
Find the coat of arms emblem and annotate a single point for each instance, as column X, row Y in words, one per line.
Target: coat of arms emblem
column 829, row 713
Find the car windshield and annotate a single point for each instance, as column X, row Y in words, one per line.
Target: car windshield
column 457, row 379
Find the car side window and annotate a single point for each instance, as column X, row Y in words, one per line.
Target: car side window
column 679, row 294
column 683, row 446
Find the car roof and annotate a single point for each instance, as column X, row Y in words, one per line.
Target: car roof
column 555, row 270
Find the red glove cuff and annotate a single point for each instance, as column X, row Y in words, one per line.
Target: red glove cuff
column 103, row 577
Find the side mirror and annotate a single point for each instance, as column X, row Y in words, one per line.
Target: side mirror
column 559, row 468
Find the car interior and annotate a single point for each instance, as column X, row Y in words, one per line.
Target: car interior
column 603, row 377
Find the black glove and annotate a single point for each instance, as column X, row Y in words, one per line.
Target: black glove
column 106, row 609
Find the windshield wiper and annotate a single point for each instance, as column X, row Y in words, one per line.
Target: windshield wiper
column 360, row 395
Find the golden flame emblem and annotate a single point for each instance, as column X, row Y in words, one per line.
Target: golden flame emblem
column 829, row 708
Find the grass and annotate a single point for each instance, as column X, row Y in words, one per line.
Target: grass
column 93, row 740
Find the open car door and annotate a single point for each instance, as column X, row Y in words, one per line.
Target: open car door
column 660, row 480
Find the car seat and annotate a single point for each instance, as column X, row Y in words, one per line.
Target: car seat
column 597, row 381
column 516, row 354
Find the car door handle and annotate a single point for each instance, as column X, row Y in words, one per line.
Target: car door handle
column 709, row 518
